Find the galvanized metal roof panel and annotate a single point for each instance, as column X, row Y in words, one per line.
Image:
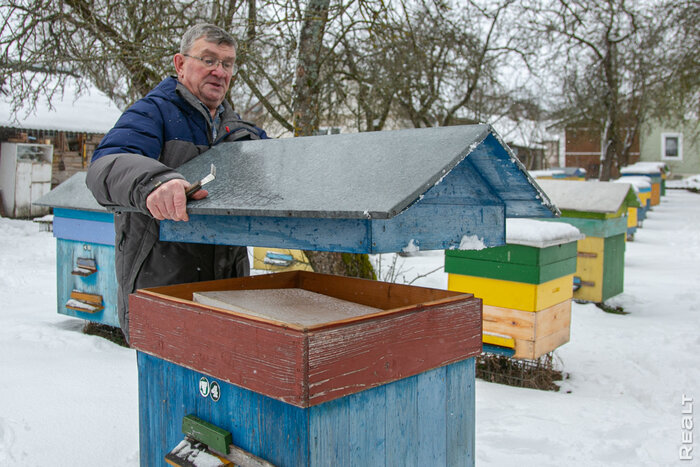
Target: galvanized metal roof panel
column 588, row 196
column 432, row 189
column 71, row 194
column 362, row 175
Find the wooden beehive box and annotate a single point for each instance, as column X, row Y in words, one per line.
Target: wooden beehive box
column 642, row 186
column 529, row 334
column 409, row 362
column 599, row 211
column 513, row 262
column 409, row 330
column 636, row 214
column 591, row 199
column 560, row 173
column 84, row 233
column 526, row 285
column 656, row 172
column 280, row 259
column 523, row 276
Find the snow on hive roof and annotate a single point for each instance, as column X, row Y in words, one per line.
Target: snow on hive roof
column 540, row 234
column 586, row 196
column 645, row 168
column 638, row 182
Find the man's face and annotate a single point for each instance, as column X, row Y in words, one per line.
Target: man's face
column 208, row 84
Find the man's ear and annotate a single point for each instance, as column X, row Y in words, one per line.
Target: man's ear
column 178, row 61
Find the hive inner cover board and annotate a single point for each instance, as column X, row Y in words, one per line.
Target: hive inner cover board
column 293, row 306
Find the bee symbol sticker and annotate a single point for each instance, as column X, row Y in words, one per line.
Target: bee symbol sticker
column 204, row 386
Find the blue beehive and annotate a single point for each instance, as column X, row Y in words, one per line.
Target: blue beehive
column 84, row 231
column 655, row 171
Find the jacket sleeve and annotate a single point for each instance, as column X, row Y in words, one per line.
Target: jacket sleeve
column 125, row 166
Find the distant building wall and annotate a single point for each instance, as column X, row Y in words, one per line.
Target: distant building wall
column 72, row 149
column 583, row 149
column 551, row 153
column 676, row 145
column 533, row 158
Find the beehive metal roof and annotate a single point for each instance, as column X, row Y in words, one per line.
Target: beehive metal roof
column 589, row 196
column 363, row 175
column 71, row 194
column 430, row 188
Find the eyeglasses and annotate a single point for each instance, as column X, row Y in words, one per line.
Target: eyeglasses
column 211, row 63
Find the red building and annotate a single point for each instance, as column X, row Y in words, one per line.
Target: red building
column 583, row 148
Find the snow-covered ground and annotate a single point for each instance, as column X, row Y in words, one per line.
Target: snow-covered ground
column 70, row 399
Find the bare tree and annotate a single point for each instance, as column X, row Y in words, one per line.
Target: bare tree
column 609, row 57
column 124, row 48
column 446, row 59
column 121, row 48
column 361, row 63
column 306, row 113
column 676, row 91
column 307, row 79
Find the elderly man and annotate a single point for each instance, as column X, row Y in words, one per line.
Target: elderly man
column 134, row 166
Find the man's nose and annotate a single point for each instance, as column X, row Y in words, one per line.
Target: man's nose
column 219, row 70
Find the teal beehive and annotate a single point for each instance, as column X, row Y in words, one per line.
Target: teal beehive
column 86, row 280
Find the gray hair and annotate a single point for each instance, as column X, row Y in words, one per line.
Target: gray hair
column 209, row 32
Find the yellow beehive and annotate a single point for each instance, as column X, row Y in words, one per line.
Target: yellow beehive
column 518, row 295
column 632, row 218
column 645, row 197
column 600, row 267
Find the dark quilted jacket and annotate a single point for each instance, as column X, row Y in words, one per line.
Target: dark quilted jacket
column 169, row 127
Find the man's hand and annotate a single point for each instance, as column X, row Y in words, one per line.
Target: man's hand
column 168, row 201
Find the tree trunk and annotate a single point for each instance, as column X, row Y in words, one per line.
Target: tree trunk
column 306, row 122
column 308, row 79
column 611, row 149
column 610, row 152
column 630, row 135
column 341, row 264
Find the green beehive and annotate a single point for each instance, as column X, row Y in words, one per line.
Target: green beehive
column 513, row 262
column 599, row 211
